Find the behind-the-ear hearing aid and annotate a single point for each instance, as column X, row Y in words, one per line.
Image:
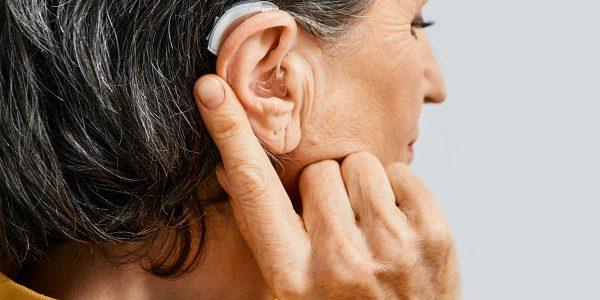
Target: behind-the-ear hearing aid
column 230, row 17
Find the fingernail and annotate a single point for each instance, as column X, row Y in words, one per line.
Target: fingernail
column 211, row 93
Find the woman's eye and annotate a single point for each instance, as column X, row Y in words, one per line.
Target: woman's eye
column 419, row 23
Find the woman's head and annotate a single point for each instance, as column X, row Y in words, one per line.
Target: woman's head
column 101, row 140
column 363, row 92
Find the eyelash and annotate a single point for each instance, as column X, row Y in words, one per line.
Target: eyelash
column 419, row 23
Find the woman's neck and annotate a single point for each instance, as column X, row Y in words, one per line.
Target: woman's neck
column 227, row 270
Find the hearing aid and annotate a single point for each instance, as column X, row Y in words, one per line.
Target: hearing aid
column 231, row 16
column 274, row 85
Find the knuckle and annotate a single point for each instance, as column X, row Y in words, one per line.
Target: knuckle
column 349, row 279
column 402, row 264
column 357, row 271
column 248, row 181
column 227, row 129
column 407, row 260
column 290, row 287
column 407, row 253
column 358, row 159
column 439, row 236
column 348, row 266
column 401, row 235
column 317, row 169
column 350, row 275
column 318, row 178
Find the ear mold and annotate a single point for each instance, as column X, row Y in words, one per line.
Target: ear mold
column 274, row 85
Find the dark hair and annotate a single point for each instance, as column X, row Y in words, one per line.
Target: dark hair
column 100, row 139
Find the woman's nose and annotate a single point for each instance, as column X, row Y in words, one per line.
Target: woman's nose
column 435, row 88
column 435, row 91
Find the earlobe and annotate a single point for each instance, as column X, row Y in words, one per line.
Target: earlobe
column 254, row 61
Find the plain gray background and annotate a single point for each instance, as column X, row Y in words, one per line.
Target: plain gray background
column 513, row 155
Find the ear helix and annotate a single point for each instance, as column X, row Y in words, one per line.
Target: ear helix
column 274, row 85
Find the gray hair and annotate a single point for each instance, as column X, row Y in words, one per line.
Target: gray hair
column 100, row 139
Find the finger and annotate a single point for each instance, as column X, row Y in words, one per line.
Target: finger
column 260, row 203
column 390, row 237
column 343, row 255
column 371, row 195
column 326, row 208
column 415, row 200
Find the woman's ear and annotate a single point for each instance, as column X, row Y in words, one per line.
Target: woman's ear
column 255, row 61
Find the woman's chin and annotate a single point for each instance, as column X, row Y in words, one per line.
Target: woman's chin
column 405, row 155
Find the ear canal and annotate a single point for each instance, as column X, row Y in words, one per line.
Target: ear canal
column 274, row 85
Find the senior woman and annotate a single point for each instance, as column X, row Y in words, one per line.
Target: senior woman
column 284, row 175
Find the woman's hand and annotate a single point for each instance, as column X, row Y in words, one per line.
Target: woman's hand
column 366, row 231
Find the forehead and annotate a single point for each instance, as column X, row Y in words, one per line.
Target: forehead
column 410, row 3
column 406, row 6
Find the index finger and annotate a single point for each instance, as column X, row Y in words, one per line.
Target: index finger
column 260, row 203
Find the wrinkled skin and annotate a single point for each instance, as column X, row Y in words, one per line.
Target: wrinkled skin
column 367, row 231
column 371, row 89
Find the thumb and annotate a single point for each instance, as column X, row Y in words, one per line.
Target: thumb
column 227, row 122
column 246, row 166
